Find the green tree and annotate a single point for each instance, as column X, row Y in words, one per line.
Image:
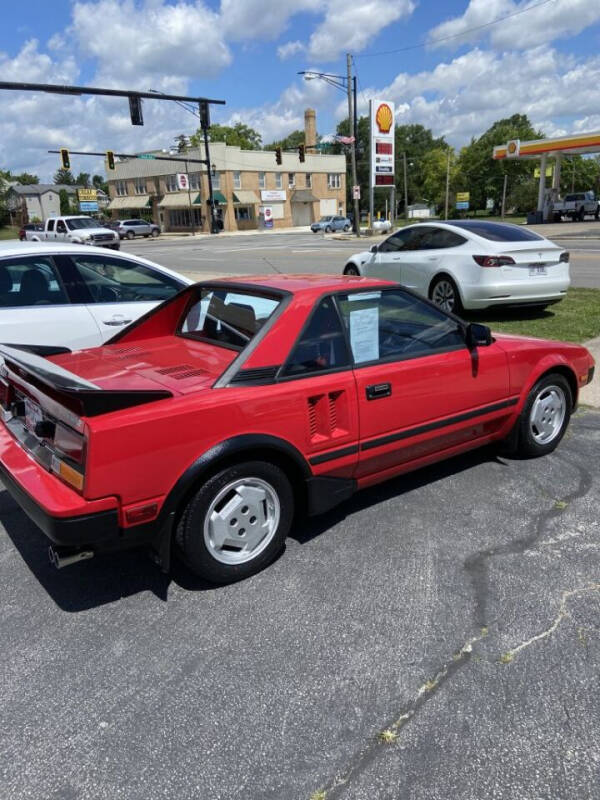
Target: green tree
column 290, row 142
column 523, row 196
column 65, row 205
column 98, row 182
column 239, row 135
column 64, row 176
column 181, row 142
column 433, row 166
column 26, row 179
column 580, row 174
column 483, row 177
column 83, row 179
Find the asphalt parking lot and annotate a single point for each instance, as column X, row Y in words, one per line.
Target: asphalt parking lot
column 436, row 637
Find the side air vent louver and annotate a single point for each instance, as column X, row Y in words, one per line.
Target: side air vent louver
column 256, row 375
column 181, row 371
column 127, row 352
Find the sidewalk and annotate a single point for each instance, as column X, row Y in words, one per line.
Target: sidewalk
column 590, row 394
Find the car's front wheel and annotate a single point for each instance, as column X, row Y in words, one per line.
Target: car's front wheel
column 346, row 228
column 237, row 522
column 328, row 229
column 350, row 269
column 545, row 417
column 443, row 293
column 155, row 233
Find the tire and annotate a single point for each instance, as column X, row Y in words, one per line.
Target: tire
column 346, row 228
column 443, row 293
column 233, row 501
column 580, row 214
column 328, row 229
column 544, row 418
column 130, row 235
column 154, row 233
column 350, row 269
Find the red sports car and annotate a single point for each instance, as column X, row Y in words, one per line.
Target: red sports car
column 208, row 423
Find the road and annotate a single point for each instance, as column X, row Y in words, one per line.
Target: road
column 304, row 252
column 457, row 609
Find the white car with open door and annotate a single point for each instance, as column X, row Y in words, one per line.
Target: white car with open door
column 470, row 264
column 75, row 296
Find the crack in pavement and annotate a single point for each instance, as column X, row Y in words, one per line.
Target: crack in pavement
column 476, row 567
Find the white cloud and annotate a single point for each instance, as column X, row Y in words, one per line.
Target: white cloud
column 254, row 19
column 290, row 49
column 542, row 24
column 348, row 28
column 140, row 44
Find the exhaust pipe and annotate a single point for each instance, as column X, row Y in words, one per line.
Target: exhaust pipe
column 63, row 560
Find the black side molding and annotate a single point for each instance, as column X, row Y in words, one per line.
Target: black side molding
column 39, row 349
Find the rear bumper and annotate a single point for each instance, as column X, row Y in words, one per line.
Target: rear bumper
column 483, row 295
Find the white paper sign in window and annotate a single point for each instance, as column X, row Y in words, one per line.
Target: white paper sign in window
column 364, row 334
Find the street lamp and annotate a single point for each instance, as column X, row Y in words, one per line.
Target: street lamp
column 347, row 83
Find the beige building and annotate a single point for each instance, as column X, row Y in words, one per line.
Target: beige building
column 251, row 189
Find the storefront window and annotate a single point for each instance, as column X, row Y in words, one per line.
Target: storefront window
column 243, row 212
column 180, row 218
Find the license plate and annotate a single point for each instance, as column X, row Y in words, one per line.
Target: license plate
column 534, row 270
column 33, row 414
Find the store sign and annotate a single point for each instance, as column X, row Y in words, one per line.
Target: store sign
column 463, row 197
column 382, row 142
column 513, row 148
column 87, row 195
column 272, row 195
column 182, row 181
column 462, row 205
column 88, row 206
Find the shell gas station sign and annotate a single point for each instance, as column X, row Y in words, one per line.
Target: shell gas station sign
column 382, row 142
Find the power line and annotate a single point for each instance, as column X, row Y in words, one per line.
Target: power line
column 456, row 35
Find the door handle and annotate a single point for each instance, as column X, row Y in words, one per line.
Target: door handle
column 377, row 390
column 116, row 321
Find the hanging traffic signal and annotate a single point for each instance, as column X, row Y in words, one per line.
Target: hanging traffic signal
column 135, row 110
column 301, row 153
column 110, row 159
column 278, row 155
column 64, row 158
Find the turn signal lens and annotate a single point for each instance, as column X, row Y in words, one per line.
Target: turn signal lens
column 493, row 261
column 564, row 257
column 67, row 473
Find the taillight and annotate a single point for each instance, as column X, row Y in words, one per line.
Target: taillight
column 564, row 257
column 69, row 443
column 493, row 261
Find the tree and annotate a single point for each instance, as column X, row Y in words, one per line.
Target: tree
column 434, row 166
column 64, row 176
column 239, row 135
column 182, row 142
column 83, row 179
column 26, row 179
column 483, row 177
column 291, row 141
column 98, row 182
column 65, row 205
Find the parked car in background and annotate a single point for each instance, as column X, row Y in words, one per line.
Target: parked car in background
column 381, row 225
column 330, row 224
column 75, row 296
column 77, row 230
column 577, row 205
column 31, row 226
column 130, row 228
column 470, row 264
column 213, row 420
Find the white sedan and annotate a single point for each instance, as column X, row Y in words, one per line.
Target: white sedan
column 75, row 296
column 382, row 225
column 470, row 264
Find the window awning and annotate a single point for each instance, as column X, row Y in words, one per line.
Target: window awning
column 138, row 201
column 303, row 196
column 219, row 197
column 245, row 198
column 179, row 200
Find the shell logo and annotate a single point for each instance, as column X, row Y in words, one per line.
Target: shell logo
column 384, row 118
column 512, row 148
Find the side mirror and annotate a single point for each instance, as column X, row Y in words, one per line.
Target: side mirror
column 373, row 248
column 478, row 335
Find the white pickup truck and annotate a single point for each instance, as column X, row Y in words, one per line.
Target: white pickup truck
column 77, row 230
column 576, row 206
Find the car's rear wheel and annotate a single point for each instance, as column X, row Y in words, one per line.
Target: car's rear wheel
column 130, row 235
column 154, row 233
column 328, row 229
column 237, row 522
column 545, row 417
column 443, row 293
column 346, row 228
column 350, row 269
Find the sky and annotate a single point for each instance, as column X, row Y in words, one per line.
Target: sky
column 442, row 64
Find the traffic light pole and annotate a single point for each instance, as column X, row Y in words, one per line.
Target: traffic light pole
column 352, row 124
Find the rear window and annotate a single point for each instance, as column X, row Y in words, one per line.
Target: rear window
column 497, row 231
column 227, row 317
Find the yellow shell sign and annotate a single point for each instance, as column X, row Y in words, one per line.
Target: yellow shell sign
column 384, row 118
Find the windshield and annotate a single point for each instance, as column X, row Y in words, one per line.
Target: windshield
column 81, row 222
column 227, row 317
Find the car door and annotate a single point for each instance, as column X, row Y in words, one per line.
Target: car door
column 425, row 257
column 420, row 390
column 39, row 305
column 120, row 290
column 60, row 230
column 386, row 261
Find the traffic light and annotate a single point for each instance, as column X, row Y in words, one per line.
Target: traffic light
column 278, row 155
column 64, row 158
column 135, row 110
column 110, row 159
column 301, row 153
column 204, row 115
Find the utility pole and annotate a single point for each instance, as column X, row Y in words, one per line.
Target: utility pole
column 190, row 200
column 504, row 195
column 447, row 185
column 352, row 124
column 405, row 188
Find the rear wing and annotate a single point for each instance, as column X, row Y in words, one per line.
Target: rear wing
column 75, row 393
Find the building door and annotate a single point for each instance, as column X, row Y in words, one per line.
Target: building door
column 301, row 214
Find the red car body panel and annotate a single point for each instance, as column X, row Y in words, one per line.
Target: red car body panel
column 137, row 457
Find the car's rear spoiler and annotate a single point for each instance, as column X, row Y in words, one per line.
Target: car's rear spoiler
column 78, row 395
